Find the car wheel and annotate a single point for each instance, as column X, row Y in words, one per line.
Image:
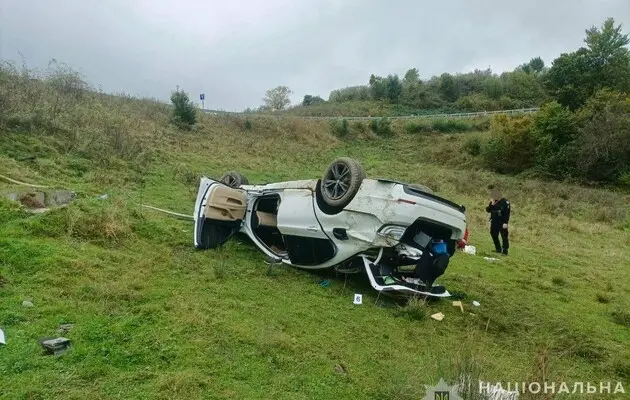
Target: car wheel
column 234, row 179
column 341, row 182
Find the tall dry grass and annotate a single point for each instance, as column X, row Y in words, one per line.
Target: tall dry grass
column 57, row 103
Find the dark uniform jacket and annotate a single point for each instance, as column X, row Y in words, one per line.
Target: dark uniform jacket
column 499, row 212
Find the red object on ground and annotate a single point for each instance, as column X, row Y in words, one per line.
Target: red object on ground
column 463, row 242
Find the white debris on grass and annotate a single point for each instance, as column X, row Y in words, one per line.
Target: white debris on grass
column 472, row 250
column 438, row 317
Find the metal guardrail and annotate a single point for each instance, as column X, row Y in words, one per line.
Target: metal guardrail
column 424, row 116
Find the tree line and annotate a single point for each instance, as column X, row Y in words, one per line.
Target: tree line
column 570, row 79
column 582, row 131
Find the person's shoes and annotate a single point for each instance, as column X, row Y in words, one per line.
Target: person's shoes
column 497, row 250
column 505, row 252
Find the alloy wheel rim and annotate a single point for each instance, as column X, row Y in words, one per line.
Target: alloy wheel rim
column 337, row 181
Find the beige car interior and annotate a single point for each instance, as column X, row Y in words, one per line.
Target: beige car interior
column 267, row 219
column 226, row 204
column 229, row 204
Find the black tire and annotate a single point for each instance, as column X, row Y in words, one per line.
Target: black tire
column 234, row 179
column 340, row 183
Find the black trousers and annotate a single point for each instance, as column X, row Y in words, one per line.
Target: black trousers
column 495, row 230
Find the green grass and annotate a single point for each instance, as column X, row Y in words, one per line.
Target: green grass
column 153, row 318
column 358, row 109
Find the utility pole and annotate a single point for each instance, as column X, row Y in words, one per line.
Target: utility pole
column 202, row 97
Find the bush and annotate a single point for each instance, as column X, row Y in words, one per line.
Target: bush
column 374, row 125
column 359, row 126
column 448, row 125
column 185, row 112
column 104, row 222
column 512, row 146
column 481, row 124
column 472, row 146
column 451, row 125
column 418, row 126
column 382, row 126
column 339, row 127
column 477, row 102
column 248, row 124
column 555, row 130
column 603, row 142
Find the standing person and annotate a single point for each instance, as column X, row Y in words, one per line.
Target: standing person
column 499, row 209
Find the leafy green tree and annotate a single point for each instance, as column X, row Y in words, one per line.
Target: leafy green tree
column 603, row 142
column 512, row 146
column 534, row 66
column 351, row 93
column 555, row 130
column 310, row 100
column 537, row 65
column 472, row 82
column 278, row 98
column 413, row 93
column 411, row 78
column 603, row 63
column 569, row 80
column 378, row 87
column 527, row 88
column 477, row 102
column 448, row 88
column 184, row 111
column 493, row 88
column 393, row 88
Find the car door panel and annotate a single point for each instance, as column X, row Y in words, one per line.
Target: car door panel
column 219, row 212
column 307, row 244
column 296, row 216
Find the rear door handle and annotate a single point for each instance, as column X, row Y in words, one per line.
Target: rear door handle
column 312, row 229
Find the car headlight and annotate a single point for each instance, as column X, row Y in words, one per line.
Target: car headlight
column 392, row 231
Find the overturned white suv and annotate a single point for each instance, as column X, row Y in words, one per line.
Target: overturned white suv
column 401, row 235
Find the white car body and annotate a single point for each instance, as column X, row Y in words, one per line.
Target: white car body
column 376, row 224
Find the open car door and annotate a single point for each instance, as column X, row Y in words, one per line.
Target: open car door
column 219, row 213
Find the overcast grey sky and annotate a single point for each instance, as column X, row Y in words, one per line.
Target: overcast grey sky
column 235, row 50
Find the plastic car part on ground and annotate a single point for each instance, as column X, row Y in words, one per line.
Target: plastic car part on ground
column 472, row 250
column 324, row 283
column 438, row 317
column 55, row 346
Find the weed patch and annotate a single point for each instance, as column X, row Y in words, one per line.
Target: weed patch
column 621, row 317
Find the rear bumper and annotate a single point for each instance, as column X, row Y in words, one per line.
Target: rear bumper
column 402, row 289
column 401, row 205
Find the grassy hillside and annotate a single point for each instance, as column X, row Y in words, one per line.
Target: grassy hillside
column 357, row 109
column 153, row 318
